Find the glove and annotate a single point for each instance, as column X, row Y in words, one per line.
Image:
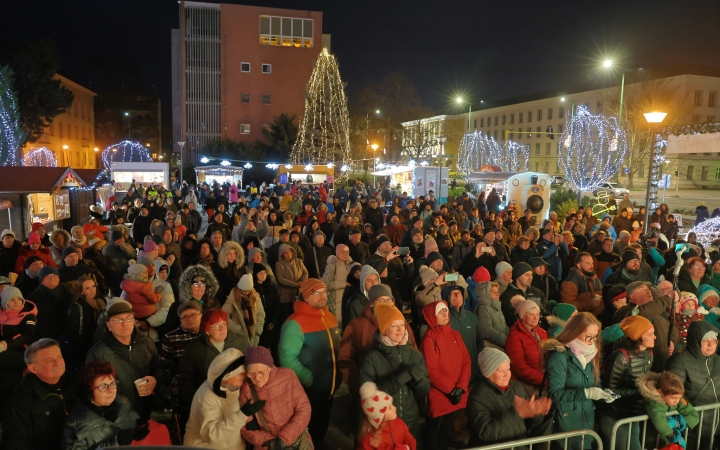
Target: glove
column 275, row 444
column 455, row 396
column 252, row 425
column 159, row 289
column 250, row 409
column 595, row 393
column 715, row 310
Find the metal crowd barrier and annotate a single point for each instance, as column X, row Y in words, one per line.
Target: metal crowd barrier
column 511, row 445
column 697, row 431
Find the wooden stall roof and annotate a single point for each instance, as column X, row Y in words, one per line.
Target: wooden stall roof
column 32, row 179
column 88, row 176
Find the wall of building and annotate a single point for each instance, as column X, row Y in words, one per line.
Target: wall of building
column 74, row 128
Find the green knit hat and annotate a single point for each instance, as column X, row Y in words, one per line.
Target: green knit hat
column 563, row 311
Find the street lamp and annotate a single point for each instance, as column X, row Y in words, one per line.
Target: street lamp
column 608, row 63
column 460, row 101
column 654, row 119
column 181, row 144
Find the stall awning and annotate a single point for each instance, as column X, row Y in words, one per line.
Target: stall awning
column 37, row 179
column 219, row 169
column 392, row 171
column 489, row 177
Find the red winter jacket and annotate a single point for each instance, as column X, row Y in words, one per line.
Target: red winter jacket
column 395, row 435
column 448, row 363
column 24, row 252
column 139, row 292
column 524, row 352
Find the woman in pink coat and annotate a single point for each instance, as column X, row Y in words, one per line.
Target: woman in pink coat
column 233, row 193
column 287, row 409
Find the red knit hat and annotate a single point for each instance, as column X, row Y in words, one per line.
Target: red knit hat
column 481, row 275
column 33, row 238
column 36, row 225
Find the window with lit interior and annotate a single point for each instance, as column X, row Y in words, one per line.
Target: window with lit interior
column 286, row 31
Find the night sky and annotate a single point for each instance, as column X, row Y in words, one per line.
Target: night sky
column 484, row 50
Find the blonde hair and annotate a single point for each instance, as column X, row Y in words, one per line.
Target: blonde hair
column 575, row 327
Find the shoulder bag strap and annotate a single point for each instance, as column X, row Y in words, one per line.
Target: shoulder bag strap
column 317, row 267
column 260, row 416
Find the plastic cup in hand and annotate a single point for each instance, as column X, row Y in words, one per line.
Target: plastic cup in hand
column 139, row 382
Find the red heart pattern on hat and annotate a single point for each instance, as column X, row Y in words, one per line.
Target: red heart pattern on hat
column 375, row 403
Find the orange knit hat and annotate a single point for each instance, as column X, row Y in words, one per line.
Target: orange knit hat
column 386, row 314
column 311, row 285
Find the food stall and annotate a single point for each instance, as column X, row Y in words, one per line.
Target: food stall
column 418, row 180
column 529, row 190
column 318, row 174
column 220, row 174
column 144, row 173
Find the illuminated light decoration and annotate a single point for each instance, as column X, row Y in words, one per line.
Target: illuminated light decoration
column 412, row 164
column 309, row 168
column 707, row 232
column 379, row 166
column 125, row 151
column 478, row 149
column 330, row 165
column 225, row 163
column 324, row 132
column 248, row 166
column 658, row 160
column 345, row 168
column 288, row 166
column 273, row 166
column 204, row 160
column 424, row 163
column 40, row 157
column 586, row 156
column 12, row 135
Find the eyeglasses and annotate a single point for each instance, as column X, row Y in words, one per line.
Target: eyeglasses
column 319, row 293
column 697, row 267
column 190, row 316
column 589, row 339
column 129, row 319
column 220, row 326
column 258, row 374
column 710, row 341
column 199, row 284
column 104, row 386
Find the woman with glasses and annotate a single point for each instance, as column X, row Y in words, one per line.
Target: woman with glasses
column 214, row 339
column 198, row 284
column 82, row 320
column 692, row 275
column 572, row 369
column 102, row 418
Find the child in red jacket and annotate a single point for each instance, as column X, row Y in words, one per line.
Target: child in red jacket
column 381, row 428
column 138, row 291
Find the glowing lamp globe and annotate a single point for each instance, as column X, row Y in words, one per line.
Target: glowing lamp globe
column 655, row 117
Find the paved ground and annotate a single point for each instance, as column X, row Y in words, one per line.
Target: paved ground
column 686, row 199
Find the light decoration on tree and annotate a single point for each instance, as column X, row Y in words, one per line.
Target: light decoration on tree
column 248, row 166
column 40, row 157
column 273, row 166
column 125, row 151
column 12, row 135
column 345, row 168
column 478, row 149
column 707, row 232
column 324, row 133
column 225, row 163
column 593, row 148
column 658, row 160
column 330, row 165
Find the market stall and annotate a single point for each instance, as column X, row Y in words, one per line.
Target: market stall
column 145, row 173
column 220, row 174
column 418, row 180
column 318, row 174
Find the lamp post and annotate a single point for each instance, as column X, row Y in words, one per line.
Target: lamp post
column 181, row 144
column 609, row 63
column 654, row 119
column 374, row 147
column 460, row 101
column 127, row 114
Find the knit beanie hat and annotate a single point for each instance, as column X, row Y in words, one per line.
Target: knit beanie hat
column 31, row 260
column 136, row 269
column 8, row 293
column 69, row 250
column 523, row 306
column 635, row 326
column 258, row 355
column 635, row 225
column 379, row 290
column 416, row 231
column 501, row 267
column 257, row 268
column 481, row 275
column 48, row 270
column 710, row 335
column 149, row 246
column 245, row 283
column 115, row 235
column 537, row 261
column 520, row 269
column 688, row 297
column 490, row 359
column 427, row 274
column 439, row 306
column 33, row 238
column 629, row 255
column 431, row 245
column 375, row 403
column 145, row 261
column 563, row 311
column 318, row 233
column 432, row 257
column 311, row 285
column 706, row 292
column 381, row 240
column 623, row 233
column 386, row 314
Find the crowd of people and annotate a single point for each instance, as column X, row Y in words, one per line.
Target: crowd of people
column 444, row 319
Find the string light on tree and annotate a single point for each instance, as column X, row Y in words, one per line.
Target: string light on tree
column 40, row 157
column 345, row 168
column 12, row 135
column 592, row 151
column 324, row 133
column 330, row 165
column 125, row 151
column 478, row 149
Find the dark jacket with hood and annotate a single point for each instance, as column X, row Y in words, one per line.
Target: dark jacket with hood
column 467, row 324
column 622, row 370
column 700, row 374
column 517, row 254
column 685, row 283
column 89, row 426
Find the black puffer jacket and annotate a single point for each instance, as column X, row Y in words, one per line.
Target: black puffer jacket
column 89, row 426
column 685, row 283
column 622, row 369
column 700, row 374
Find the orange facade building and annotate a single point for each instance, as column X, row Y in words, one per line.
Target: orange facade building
column 236, row 67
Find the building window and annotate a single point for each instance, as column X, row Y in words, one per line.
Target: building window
column 267, row 68
column 495, row 135
column 244, row 128
column 538, row 131
column 286, row 31
column 520, row 134
column 244, row 98
column 244, row 67
column 520, row 117
column 266, row 99
column 496, row 120
column 60, row 128
column 51, row 128
column 529, row 130
column 529, row 116
column 711, row 119
column 712, row 99
column 717, row 173
column 696, row 118
column 539, row 114
column 503, row 122
column 560, row 128
column 698, row 98
column 482, row 123
column 705, row 172
column 561, row 112
column 475, row 123
column 536, row 166
column 690, row 172
column 547, row 149
column 598, row 106
column 512, row 118
column 549, row 117
column 537, row 149
column 512, row 136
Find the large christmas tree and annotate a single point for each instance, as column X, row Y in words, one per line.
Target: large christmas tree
column 324, row 134
column 12, row 134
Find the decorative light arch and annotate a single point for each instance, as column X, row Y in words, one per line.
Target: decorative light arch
column 40, row 157
column 125, row 151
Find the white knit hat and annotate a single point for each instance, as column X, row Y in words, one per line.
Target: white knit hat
column 375, row 403
column 440, row 306
column 245, row 283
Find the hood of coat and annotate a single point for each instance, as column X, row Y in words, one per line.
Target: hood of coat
column 552, row 345
column 222, row 254
column 187, row 276
column 429, row 315
column 554, row 320
column 647, row 386
column 354, row 268
column 137, row 279
column 54, row 235
column 365, row 272
column 483, row 295
column 696, row 331
column 159, row 263
column 10, row 318
column 226, row 362
column 283, row 248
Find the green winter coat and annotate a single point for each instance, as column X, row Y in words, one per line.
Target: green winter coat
column 490, row 315
column 700, row 374
column 467, row 324
column 657, row 410
column 399, row 371
column 566, row 384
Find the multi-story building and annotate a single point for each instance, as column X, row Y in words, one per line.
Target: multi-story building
column 142, row 123
column 435, row 139
column 70, row 135
column 529, row 119
column 236, row 67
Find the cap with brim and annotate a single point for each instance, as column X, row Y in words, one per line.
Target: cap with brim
column 353, row 231
column 630, row 288
column 537, row 262
column 487, row 230
column 117, row 306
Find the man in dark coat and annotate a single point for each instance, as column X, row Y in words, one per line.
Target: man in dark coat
column 374, row 215
column 522, row 285
column 141, row 226
column 8, row 252
column 359, row 251
column 628, row 271
column 52, row 302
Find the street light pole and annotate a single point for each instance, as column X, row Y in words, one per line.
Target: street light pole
column 181, row 144
column 460, row 101
column 654, row 119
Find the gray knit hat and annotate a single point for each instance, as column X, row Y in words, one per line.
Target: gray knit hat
column 501, row 267
column 379, row 290
column 490, row 359
column 8, row 293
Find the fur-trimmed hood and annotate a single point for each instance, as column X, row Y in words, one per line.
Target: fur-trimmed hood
column 53, row 237
column 222, row 254
column 211, row 283
column 647, row 387
column 135, row 277
column 554, row 320
column 552, row 345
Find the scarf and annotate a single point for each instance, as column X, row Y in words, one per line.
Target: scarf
column 582, row 351
column 386, row 340
column 630, row 276
column 248, row 317
column 32, row 274
column 80, row 241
